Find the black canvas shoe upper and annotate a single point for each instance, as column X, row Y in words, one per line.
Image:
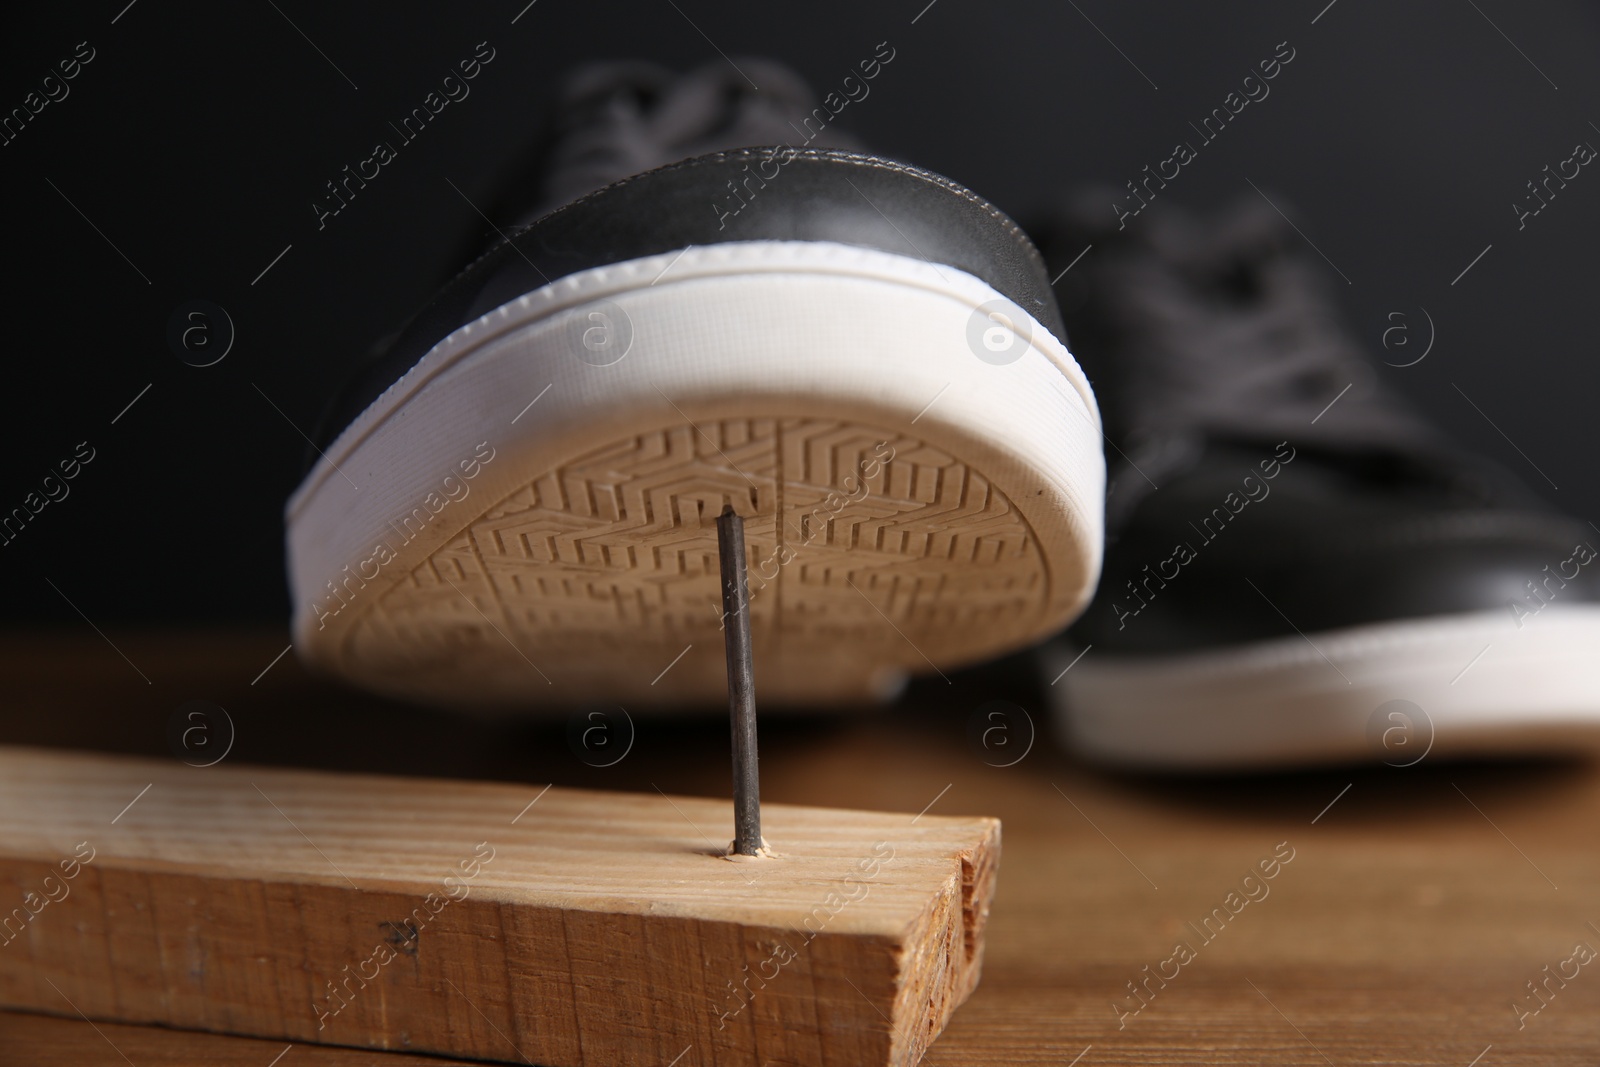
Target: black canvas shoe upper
column 631, row 114
column 1215, row 350
column 614, row 120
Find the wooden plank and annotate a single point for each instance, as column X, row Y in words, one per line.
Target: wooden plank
column 45, row 1041
column 559, row 927
column 1403, row 932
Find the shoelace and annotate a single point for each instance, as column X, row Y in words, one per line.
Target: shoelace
column 1227, row 328
column 1195, row 330
column 619, row 119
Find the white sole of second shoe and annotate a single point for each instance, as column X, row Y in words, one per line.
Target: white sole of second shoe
column 1396, row 693
column 527, row 516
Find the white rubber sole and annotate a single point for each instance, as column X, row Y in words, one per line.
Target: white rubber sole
column 526, row 517
column 1393, row 693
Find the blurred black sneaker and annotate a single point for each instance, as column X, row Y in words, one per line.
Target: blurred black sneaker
column 1299, row 570
column 514, row 505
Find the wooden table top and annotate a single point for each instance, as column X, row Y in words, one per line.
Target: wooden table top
column 1407, row 912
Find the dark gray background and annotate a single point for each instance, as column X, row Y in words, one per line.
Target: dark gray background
column 197, row 139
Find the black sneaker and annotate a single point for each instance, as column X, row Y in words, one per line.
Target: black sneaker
column 514, row 505
column 1319, row 576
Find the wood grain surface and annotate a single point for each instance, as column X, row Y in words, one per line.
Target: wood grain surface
column 1418, row 905
column 571, row 927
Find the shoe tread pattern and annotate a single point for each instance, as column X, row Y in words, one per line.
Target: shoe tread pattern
column 588, row 581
